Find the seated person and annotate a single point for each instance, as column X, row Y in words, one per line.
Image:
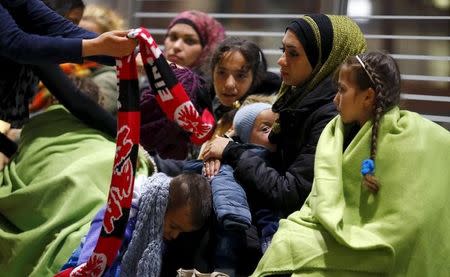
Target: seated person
column 379, row 203
column 51, row 189
column 162, row 208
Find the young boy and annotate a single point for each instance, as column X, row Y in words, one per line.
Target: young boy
column 162, row 208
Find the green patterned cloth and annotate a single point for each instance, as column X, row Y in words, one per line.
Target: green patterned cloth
column 347, row 40
column 50, row 192
column 344, row 230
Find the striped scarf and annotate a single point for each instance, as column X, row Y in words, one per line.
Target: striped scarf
column 177, row 106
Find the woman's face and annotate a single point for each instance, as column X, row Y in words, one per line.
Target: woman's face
column 232, row 78
column 261, row 129
column 295, row 68
column 353, row 104
column 182, row 45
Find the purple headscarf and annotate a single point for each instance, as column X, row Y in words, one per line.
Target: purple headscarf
column 160, row 134
column 210, row 31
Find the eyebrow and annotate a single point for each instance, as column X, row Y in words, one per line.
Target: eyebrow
column 290, row 46
column 267, row 123
column 242, row 70
column 182, row 34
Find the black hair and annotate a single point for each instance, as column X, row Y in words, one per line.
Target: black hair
column 87, row 86
column 256, row 61
column 194, row 190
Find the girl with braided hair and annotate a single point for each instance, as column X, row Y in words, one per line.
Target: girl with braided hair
column 395, row 223
column 378, row 75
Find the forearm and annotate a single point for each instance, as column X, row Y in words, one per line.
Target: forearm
column 37, row 46
column 78, row 103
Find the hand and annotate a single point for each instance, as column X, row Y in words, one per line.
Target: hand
column 140, row 64
column 3, row 160
column 214, row 148
column 211, row 168
column 14, row 134
column 113, row 43
column 5, row 128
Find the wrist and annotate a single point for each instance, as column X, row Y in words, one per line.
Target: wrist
column 88, row 48
column 4, row 126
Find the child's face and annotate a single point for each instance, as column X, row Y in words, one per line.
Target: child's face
column 353, row 104
column 176, row 222
column 262, row 127
column 232, row 79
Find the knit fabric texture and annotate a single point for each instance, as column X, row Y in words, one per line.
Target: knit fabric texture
column 334, row 44
column 144, row 253
column 245, row 119
column 210, row 31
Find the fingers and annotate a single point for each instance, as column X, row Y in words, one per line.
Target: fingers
column 120, row 33
column 211, row 168
column 216, row 166
column 207, row 170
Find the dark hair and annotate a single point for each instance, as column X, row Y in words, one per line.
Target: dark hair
column 194, row 190
column 63, row 7
column 256, row 62
column 87, row 86
column 381, row 73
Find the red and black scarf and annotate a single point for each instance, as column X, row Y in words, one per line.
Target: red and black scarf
column 177, row 106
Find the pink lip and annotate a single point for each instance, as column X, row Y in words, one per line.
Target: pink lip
column 174, row 58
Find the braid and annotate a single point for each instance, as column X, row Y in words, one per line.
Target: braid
column 380, row 72
column 378, row 107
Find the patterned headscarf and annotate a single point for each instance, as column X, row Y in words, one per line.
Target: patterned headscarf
column 210, row 31
column 328, row 40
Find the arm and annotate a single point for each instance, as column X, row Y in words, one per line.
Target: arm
column 78, row 103
column 283, row 191
column 22, row 47
column 63, row 43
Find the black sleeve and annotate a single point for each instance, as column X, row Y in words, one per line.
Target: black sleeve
column 233, row 151
column 78, row 103
column 7, row 146
column 284, row 191
column 32, row 33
